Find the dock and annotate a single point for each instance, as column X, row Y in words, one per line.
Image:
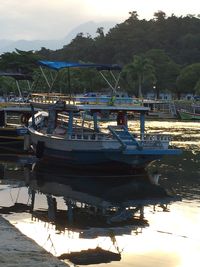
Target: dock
column 17, row 249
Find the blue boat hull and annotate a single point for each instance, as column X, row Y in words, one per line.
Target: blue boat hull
column 100, row 158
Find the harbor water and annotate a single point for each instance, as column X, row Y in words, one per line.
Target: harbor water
column 137, row 222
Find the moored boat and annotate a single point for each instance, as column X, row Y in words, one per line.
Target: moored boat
column 13, row 126
column 61, row 133
column 160, row 109
column 14, row 116
column 187, row 115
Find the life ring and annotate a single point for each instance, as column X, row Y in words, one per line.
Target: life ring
column 39, row 151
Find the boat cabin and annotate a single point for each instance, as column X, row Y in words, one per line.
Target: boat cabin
column 13, row 116
column 69, row 119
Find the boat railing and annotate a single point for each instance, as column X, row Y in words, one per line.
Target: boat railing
column 155, row 140
column 77, row 122
column 74, row 100
column 108, row 100
column 90, row 136
column 51, row 98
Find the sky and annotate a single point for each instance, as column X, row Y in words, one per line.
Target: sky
column 54, row 19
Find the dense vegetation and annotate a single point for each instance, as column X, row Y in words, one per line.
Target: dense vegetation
column 161, row 53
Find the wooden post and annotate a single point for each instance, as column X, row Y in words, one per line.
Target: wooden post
column 70, row 123
column 142, row 123
column 96, row 128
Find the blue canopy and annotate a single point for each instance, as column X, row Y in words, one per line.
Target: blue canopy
column 57, row 65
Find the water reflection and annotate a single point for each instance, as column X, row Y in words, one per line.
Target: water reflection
column 157, row 235
column 79, row 217
column 182, row 176
column 112, row 198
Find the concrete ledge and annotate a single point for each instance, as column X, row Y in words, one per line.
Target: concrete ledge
column 17, row 249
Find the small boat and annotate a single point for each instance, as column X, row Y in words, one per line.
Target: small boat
column 160, row 109
column 12, row 99
column 14, row 116
column 188, row 115
column 61, row 134
column 95, row 98
column 13, row 126
column 106, row 98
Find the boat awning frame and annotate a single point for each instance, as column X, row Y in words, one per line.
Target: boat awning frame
column 19, row 77
column 59, row 65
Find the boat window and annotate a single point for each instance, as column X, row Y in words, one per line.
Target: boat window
column 79, row 136
column 92, row 137
column 85, row 137
column 13, row 117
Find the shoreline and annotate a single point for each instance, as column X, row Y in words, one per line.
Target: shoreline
column 16, row 249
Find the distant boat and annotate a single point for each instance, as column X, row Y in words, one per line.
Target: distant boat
column 14, row 116
column 12, row 98
column 119, row 97
column 13, row 126
column 188, row 115
column 160, row 109
column 95, row 98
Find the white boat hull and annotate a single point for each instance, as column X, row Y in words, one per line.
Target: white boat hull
column 90, row 152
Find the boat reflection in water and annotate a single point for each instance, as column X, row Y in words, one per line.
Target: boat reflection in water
column 91, row 207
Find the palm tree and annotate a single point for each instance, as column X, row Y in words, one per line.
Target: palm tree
column 141, row 70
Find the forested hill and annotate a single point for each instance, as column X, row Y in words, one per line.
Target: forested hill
column 160, row 54
column 179, row 37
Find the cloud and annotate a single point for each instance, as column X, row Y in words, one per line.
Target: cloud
column 54, row 19
column 46, row 19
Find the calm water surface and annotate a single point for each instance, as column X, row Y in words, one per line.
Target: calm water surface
column 66, row 211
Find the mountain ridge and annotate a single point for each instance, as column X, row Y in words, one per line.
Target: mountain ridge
column 89, row 27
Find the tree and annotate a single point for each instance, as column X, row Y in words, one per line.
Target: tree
column 179, row 37
column 141, row 70
column 81, row 48
column 166, row 70
column 7, row 85
column 100, row 32
column 197, row 88
column 160, row 15
column 19, row 61
column 132, row 18
column 188, row 80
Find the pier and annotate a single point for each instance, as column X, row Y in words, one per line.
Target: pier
column 18, row 250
